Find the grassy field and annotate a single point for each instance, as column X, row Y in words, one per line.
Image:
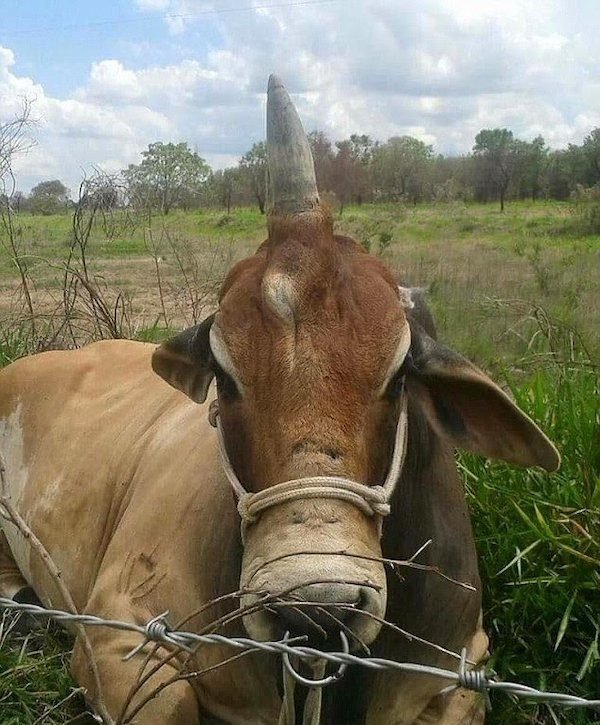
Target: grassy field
column 518, row 293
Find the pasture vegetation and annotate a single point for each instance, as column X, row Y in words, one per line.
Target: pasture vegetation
column 518, row 293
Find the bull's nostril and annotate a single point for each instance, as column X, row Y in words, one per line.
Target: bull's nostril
column 308, row 446
column 363, row 599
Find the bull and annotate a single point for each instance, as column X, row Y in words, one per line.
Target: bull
column 338, row 415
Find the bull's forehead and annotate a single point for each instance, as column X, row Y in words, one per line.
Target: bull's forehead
column 346, row 327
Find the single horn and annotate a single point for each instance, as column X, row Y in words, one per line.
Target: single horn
column 292, row 186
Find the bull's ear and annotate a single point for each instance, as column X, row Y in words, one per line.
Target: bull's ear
column 184, row 361
column 462, row 403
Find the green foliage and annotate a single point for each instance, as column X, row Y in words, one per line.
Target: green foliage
column 34, row 677
column 156, row 333
column 15, row 342
column 253, row 166
column 169, row 175
column 48, row 197
column 590, row 151
column 539, row 551
column 401, row 167
column 586, row 209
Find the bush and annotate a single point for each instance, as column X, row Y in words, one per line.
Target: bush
column 586, row 209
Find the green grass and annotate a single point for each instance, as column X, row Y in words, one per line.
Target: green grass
column 518, row 293
column 34, row 678
column 538, row 541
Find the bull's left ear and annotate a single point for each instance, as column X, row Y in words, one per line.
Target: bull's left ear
column 184, row 361
column 462, row 403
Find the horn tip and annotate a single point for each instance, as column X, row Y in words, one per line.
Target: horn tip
column 275, row 83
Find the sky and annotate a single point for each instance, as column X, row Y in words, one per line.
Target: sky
column 108, row 78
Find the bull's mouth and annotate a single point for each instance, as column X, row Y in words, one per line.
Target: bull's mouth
column 317, row 612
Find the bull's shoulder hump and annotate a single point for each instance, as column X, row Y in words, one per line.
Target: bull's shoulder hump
column 101, row 352
column 60, row 371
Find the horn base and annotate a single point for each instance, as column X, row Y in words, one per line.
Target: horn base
column 312, row 225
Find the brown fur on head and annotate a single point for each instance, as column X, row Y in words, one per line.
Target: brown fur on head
column 311, row 330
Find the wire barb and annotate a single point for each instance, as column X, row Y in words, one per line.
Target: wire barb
column 156, row 630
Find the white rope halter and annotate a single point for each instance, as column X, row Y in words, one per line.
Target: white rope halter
column 371, row 500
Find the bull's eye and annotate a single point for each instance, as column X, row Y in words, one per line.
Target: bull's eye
column 397, row 365
column 226, row 386
column 395, row 385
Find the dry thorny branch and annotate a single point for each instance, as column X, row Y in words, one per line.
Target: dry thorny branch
column 100, row 203
column 186, row 669
column 15, row 140
column 198, row 277
column 87, row 307
column 9, row 512
column 533, row 325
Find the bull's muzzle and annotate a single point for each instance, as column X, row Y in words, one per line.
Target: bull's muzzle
column 297, row 580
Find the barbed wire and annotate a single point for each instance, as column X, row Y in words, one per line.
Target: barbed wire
column 158, row 630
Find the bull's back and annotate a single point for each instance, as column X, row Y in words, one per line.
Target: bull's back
column 74, row 428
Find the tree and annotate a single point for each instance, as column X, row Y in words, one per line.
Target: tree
column 169, row 175
column 223, row 184
column 556, row 180
column 19, row 201
column 358, row 151
column 496, row 152
column 345, row 174
column 253, row 166
column 401, row 166
column 591, row 153
column 49, row 197
column 362, row 148
column 322, row 153
column 531, row 158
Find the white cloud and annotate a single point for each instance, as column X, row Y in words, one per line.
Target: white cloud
column 437, row 69
column 110, row 81
column 7, row 57
column 153, row 4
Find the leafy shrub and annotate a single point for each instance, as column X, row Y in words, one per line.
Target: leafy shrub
column 585, row 206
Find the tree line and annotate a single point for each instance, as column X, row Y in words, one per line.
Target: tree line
column 359, row 169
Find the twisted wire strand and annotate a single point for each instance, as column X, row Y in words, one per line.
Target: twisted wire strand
column 158, row 630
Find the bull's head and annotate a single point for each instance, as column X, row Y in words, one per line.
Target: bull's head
column 312, row 346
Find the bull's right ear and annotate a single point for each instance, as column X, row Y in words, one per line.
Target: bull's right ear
column 184, row 361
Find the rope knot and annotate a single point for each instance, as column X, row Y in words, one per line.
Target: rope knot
column 371, row 500
column 243, row 507
column 379, row 500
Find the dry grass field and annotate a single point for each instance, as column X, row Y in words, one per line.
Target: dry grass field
column 518, row 293
column 486, row 272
